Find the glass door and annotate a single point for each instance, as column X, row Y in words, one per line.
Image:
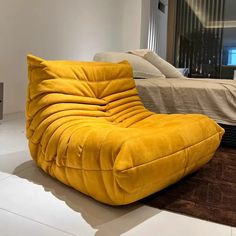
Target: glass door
column 199, row 37
column 228, row 67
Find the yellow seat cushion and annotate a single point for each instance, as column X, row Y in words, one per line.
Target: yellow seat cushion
column 88, row 128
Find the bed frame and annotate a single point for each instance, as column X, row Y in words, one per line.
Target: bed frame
column 229, row 138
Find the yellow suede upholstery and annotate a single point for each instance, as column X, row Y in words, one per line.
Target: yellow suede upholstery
column 88, row 128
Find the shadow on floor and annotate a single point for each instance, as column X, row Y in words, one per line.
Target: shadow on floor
column 108, row 220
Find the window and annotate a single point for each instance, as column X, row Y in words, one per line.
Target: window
column 232, row 56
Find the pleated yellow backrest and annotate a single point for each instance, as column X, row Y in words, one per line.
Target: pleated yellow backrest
column 93, row 89
column 42, row 71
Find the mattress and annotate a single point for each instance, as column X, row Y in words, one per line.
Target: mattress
column 212, row 97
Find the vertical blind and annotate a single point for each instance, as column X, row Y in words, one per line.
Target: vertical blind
column 198, row 42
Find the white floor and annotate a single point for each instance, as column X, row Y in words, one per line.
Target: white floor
column 32, row 203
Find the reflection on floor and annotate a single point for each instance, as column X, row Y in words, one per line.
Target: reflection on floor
column 32, row 203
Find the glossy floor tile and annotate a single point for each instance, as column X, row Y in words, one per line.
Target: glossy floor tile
column 3, row 175
column 233, row 231
column 178, row 225
column 12, row 134
column 11, row 161
column 23, row 226
column 32, row 203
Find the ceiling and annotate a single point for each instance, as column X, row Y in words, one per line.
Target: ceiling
column 230, row 10
column 229, row 14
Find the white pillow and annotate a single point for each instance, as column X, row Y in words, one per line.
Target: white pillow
column 165, row 67
column 141, row 67
column 139, row 52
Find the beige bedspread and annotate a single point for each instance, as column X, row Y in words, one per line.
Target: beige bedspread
column 212, row 97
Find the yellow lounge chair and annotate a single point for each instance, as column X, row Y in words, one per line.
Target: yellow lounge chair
column 88, row 128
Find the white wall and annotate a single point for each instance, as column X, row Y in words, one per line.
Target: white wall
column 157, row 30
column 162, row 30
column 60, row 29
column 145, row 15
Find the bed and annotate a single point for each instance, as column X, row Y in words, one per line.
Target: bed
column 212, row 97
